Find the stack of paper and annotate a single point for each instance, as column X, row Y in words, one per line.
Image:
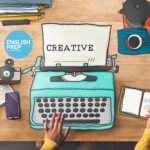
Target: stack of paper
column 3, row 90
column 22, row 10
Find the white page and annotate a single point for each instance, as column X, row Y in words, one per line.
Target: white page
column 131, row 101
column 95, row 40
column 145, row 107
column 3, row 90
column 23, row 9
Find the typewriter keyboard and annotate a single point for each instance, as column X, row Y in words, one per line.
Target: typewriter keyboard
column 75, row 110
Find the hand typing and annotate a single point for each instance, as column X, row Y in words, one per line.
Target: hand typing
column 55, row 132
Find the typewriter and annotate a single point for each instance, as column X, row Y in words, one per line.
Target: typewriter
column 74, row 79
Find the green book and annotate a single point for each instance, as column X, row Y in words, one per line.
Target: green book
column 45, row 3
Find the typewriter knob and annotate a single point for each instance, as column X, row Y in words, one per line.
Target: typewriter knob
column 134, row 42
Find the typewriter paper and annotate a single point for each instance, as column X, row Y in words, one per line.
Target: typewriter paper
column 75, row 45
column 131, row 101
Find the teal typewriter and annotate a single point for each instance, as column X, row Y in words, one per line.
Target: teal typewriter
column 74, row 77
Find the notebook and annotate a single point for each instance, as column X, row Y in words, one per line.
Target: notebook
column 134, row 102
column 3, row 90
column 75, row 44
column 46, row 3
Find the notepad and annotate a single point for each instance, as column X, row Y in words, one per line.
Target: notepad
column 134, row 102
column 3, row 90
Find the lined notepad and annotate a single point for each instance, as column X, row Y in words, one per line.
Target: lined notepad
column 3, row 90
column 134, row 102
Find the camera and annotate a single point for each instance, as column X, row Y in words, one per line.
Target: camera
column 10, row 74
column 133, row 41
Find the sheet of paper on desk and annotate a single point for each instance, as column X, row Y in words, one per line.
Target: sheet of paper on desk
column 145, row 104
column 75, row 45
column 3, row 90
column 131, row 101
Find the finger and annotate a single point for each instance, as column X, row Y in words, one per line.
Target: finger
column 52, row 121
column 66, row 132
column 57, row 122
column 60, row 125
column 46, row 125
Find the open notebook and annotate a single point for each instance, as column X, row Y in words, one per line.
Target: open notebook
column 134, row 102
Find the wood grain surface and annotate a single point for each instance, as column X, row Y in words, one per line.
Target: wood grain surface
column 134, row 71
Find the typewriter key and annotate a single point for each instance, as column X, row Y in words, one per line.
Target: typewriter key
column 41, row 110
column 96, row 110
column 68, row 99
column 85, row 115
column 38, row 100
column 91, row 115
column 90, row 105
column 82, row 104
column 61, row 105
column 47, row 110
column 97, row 104
column 75, row 110
column 97, row 115
column 90, row 99
column 40, row 105
column 68, row 104
column 68, row 110
column 45, row 100
column 103, row 104
column 102, row 110
column 72, row 115
column 76, row 99
column 82, row 99
column 60, row 100
column 44, row 115
column 50, row 116
column 75, row 105
column 54, row 110
column 61, row 110
column 52, row 100
column 65, row 116
column 53, row 105
column 89, row 110
column 97, row 99
column 82, row 110
column 78, row 115
column 46, row 104
column 104, row 99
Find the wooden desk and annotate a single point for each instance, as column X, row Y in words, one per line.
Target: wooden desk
column 134, row 71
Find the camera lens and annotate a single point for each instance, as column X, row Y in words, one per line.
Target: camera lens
column 134, row 42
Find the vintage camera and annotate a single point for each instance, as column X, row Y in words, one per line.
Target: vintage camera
column 133, row 41
column 9, row 74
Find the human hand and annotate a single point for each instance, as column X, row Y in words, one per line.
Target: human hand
column 55, row 131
